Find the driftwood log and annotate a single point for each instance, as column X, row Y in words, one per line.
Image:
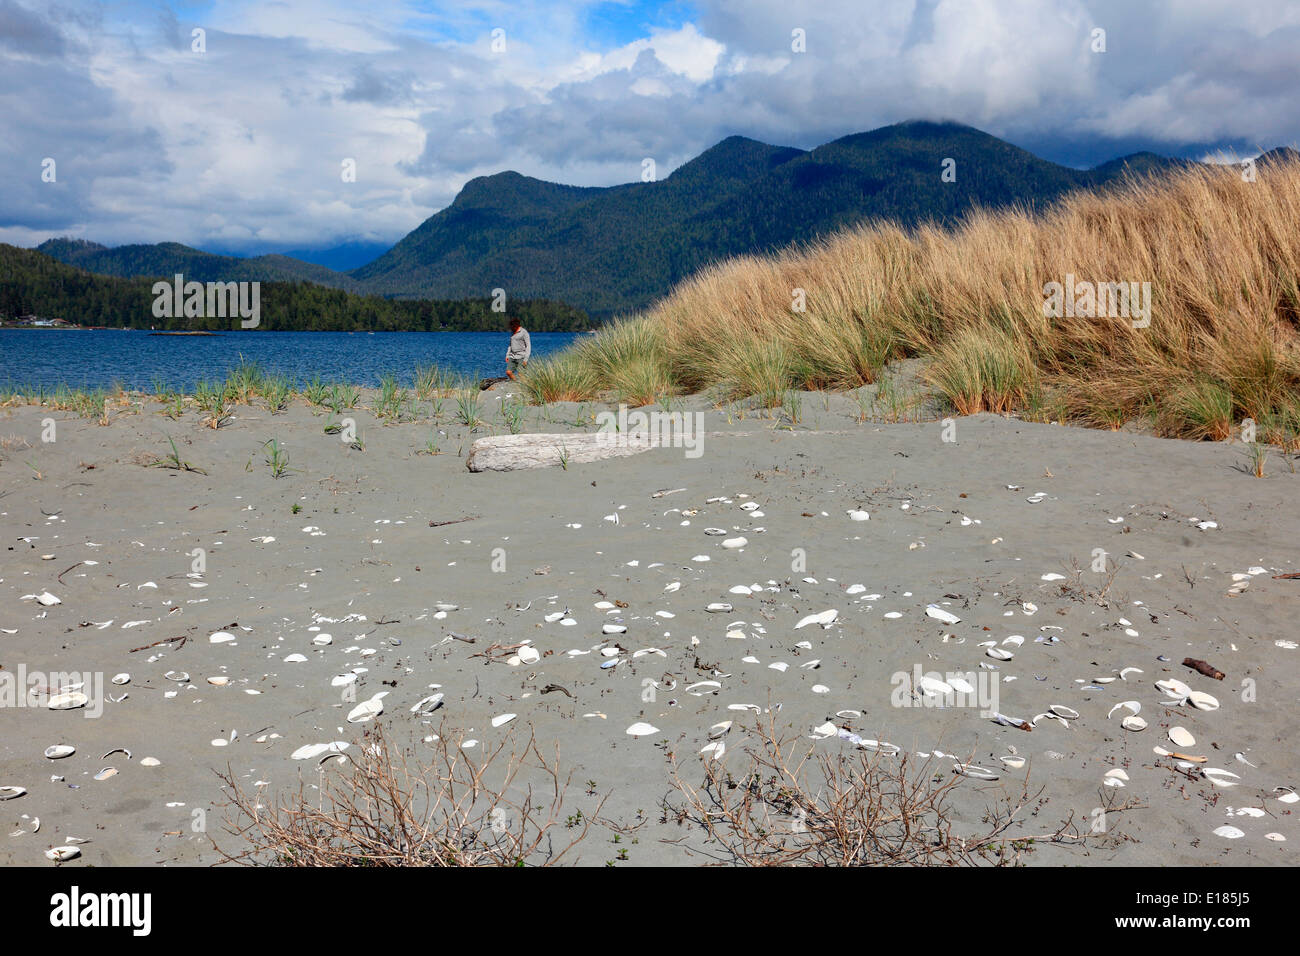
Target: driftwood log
column 515, row 452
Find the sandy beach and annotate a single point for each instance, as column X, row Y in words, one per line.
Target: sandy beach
column 339, row 566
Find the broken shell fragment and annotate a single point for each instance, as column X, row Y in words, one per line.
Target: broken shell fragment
column 61, row 854
column 1202, row 701
column 59, row 751
column 69, row 701
column 641, row 729
column 1064, row 712
column 1181, row 736
column 1134, row 723
column 977, row 773
column 942, row 616
column 11, row 793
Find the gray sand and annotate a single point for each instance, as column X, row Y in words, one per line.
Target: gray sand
column 966, row 543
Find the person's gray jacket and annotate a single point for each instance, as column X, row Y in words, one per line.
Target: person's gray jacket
column 521, row 349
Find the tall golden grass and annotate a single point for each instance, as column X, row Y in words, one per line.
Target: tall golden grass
column 1222, row 256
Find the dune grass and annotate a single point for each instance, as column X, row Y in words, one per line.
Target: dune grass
column 1222, row 256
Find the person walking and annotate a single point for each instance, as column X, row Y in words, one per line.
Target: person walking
column 520, row 351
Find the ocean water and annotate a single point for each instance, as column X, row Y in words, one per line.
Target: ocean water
column 97, row 358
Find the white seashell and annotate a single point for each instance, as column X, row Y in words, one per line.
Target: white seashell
column 1052, row 576
column 859, row 516
column 934, row 686
column 181, row 677
column 1015, row 763
column 69, row 701
column 1181, row 736
column 343, row 680
column 106, row 773
column 1174, row 688
column 150, row 762
column 46, row 598
column 717, row 749
column 502, row 719
column 427, row 705
column 1117, row 774
column 121, row 679
column 940, row 615
column 295, row 659
column 312, row 751
column 218, row 681
column 1203, row 701
column 1275, row 837
column 321, row 640
column 977, row 773
column 825, row 730
column 719, row 729
column 719, row 607
column 11, row 793
column 700, row 688
column 1288, row 796
column 1229, row 833
column 58, row 751
column 960, row 684
column 1130, row 670
column 998, row 654
column 368, row 709
column 613, row 629
column 1132, row 705
column 1133, row 723
column 749, row 506
column 825, row 619
column 61, row 854
column 1220, row 778
column 447, row 607
column 529, row 654
column 641, row 729
column 220, row 637
column 1064, row 712
column 781, row 666
column 739, row 542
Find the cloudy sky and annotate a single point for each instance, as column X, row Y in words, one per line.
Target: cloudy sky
column 240, row 146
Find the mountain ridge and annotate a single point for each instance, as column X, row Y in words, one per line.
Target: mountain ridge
column 615, row 249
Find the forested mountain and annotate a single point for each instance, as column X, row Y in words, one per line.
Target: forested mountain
column 616, row 249
column 32, row 283
column 165, row 259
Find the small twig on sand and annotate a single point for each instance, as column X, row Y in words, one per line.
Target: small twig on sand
column 439, row 524
column 552, row 688
column 66, row 570
column 171, row 640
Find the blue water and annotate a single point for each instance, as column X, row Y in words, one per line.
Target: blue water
column 96, row 358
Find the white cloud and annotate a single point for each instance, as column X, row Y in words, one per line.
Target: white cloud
column 244, row 142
